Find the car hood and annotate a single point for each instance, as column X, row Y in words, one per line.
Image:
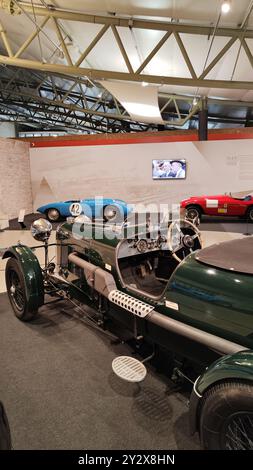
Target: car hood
column 216, row 196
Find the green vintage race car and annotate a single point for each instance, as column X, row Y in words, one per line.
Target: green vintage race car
column 195, row 304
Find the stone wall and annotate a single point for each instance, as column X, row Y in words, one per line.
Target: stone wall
column 15, row 178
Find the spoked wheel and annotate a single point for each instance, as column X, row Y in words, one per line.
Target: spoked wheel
column 193, row 213
column 16, row 290
column 183, row 238
column 238, row 432
column 226, row 421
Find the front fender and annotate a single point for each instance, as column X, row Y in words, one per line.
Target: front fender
column 237, row 366
column 32, row 273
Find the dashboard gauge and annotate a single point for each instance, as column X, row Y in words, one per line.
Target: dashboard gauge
column 151, row 245
column 142, row 246
column 160, row 241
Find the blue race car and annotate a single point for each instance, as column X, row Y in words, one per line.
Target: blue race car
column 106, row 209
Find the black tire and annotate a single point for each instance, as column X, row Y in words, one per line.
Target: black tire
column 249, row 214
column 193, row 212
column 226, row 421
column 16, row 290
column 53, row 215
column 115, row 210
column 5, row 435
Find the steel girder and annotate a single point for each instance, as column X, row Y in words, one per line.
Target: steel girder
column 55, row 15
column 83, row 100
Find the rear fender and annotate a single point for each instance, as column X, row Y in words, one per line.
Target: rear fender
column 237, row 366
column 32, row 273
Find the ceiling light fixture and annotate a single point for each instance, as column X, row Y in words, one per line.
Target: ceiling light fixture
column 226, row 6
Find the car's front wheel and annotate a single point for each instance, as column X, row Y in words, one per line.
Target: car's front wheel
column 226, row 421
column 16, row 289
column 53, row 215
column 249, row 214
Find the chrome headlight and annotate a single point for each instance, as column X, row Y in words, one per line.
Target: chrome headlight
column 41, row 230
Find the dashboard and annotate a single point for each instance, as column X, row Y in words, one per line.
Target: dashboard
column 139, row 246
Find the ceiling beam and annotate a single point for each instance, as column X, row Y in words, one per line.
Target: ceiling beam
column 96, row 74
column 106, row 22
column 129, row 22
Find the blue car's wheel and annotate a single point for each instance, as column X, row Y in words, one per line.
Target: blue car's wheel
column 53, row 215
column 111, row 213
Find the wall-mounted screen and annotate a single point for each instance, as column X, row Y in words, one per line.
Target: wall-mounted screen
column 169, row 169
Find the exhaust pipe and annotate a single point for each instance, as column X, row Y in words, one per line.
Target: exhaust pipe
column 220, row 345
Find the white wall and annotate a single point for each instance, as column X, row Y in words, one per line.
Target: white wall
column 7, row 129
column 15, row 178
column 125, row 171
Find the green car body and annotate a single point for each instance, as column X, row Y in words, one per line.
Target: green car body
column 203, row 312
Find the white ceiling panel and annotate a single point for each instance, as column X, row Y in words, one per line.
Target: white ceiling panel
column 140, row 102
column 190, row 10
column 198, row 52
column 168, row 61
column 106, row 54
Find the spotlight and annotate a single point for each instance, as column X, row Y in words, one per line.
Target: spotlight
column 195, row 101
column 144, row 83
column 226, row 6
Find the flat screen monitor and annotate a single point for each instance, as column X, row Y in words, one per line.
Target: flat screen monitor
column 169, row 169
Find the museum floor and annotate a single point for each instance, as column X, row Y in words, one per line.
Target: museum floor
column 59, row 390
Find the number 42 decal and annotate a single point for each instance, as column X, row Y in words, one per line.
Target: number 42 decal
column 75, row 209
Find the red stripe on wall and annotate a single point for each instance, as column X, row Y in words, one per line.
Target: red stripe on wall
column 143, row 139
column 237, row 136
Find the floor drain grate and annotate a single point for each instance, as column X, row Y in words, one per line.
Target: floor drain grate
column 129, row 369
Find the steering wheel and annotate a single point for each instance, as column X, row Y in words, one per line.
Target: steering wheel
column 183, row 238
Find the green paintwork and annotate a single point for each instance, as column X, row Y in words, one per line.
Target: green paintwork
column 32, row 274
column 238, row 366
column 211, row 299
column 214, row 300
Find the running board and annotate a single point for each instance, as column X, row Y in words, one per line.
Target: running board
column 135, row 306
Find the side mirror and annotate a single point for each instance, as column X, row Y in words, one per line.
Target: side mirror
column 41, row 230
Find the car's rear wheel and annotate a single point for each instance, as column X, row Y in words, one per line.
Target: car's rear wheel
column 250, row 214
column 111, row 213
column 193, row 213
column 53, row 215
column 16, row 290
column 226, row 421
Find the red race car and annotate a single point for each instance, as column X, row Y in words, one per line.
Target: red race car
column 222, row 204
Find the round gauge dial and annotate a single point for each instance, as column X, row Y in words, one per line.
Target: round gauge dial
column 151, row 245
column 160, row 241
column 142, row 245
